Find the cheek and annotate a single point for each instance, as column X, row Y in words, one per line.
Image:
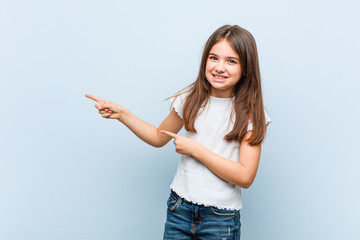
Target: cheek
column 236, row 71
column 208, row 70
column 209, row 66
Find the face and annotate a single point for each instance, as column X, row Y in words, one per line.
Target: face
column 223, row 69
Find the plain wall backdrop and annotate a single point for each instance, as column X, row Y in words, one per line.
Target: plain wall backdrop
column 66, row 173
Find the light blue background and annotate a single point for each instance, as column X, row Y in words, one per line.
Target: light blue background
column 66, row 173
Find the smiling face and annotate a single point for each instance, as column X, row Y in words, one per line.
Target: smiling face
column 223, row 70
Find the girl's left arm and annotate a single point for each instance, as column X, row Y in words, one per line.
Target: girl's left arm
column 241, row 173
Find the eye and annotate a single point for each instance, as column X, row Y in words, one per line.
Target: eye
column 232, row 61
column 212, row 57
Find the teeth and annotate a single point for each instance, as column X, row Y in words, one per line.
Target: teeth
column 216, row 76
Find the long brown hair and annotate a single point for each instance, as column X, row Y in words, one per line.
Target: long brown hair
column 248, row 103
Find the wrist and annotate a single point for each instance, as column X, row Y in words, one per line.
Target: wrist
column 197, row 149
column 123, row 115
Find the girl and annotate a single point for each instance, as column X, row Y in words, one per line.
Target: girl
column 225, row 123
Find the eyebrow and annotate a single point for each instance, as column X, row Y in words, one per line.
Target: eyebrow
column 225, row 57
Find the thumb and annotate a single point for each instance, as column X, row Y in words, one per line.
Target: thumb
column 104, row 105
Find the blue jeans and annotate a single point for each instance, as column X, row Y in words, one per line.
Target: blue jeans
column 186, row 220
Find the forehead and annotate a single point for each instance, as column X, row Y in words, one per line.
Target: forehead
column 223, row 48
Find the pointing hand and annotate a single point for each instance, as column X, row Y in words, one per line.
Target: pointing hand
column 183, row 145
column 107, row 109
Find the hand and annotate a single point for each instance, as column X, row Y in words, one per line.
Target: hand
column 183, row 145
column 107, row 109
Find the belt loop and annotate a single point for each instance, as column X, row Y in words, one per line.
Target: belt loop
column 180, row 200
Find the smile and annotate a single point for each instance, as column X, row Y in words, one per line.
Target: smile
column 219, row 76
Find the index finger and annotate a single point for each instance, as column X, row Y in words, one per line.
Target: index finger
column 173, row 135
column 93, row 98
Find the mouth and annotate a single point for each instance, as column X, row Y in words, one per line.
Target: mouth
column 219, row 78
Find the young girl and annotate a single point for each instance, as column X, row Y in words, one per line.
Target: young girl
column 225, row 123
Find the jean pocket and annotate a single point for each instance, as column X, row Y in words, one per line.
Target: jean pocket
column 223, row 212
column 173, row 201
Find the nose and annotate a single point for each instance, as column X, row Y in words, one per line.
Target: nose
column 220, row 67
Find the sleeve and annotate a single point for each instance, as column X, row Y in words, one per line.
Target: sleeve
column 267, row 120
column 177, row 104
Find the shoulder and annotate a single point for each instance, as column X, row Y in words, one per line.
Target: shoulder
column 181, row 95
column 267, row 120
column 178, row 100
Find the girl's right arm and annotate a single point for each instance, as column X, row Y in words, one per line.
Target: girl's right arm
column 145, row 131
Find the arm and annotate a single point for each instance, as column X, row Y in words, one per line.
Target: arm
column 149, row 133
column 241, row 173
column 145, row 131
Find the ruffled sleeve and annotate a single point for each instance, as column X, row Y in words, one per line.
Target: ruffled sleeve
column 267, row 120
column 177, row 103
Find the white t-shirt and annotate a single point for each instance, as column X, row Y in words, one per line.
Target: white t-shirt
column 193, row 180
